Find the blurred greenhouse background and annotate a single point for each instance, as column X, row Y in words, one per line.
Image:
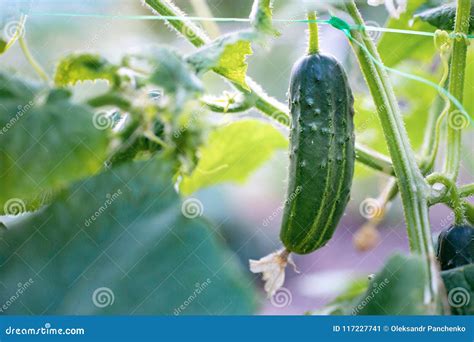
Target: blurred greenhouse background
column 248, row 215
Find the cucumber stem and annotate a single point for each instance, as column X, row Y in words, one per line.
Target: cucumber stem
column 313, row 41
column 33, row 62
column 456, row 88
column 452, row 192
column 375, row 160
column 463, row 191
column 466, row 190
column 412, row 186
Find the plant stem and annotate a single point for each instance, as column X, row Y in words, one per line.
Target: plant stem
column 221, row 107
column 427, row 154
column 187, row 28
column 313, row 41
column 469, row 207
column 261, row 100
column 452, row 192
column 374, row 160
column 20, row 30
column 456, row 87
column 444, row 197
column 110, row 99
column 36, row 66
column 466, row 190
column 413, row 188
column 150, row 135
column 202, row 10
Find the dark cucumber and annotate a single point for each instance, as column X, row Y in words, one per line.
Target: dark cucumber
column 456, row 247
column 322, row 152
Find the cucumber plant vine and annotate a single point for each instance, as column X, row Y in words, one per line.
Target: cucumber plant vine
column 149, row 111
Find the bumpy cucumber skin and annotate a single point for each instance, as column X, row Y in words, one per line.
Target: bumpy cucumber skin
column 456, row 247
column 322, row 152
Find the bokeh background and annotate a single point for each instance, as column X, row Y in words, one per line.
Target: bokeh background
column 248, row 215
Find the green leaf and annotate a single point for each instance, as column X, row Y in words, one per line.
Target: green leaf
column 3, row 46
column 226, row 56
column 394, row 48
column 76, row 68
column 261, row 17
column 443, row 17
column 459, row 284
column 232, row 153
column 118, row 243
column 44, row 143
column 170, row 71
column 345, row 302
column 398, row 289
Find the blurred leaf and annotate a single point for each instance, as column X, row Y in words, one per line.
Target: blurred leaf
column 398, row 289
column 171, row 72
column 261, row 17
column 118, row 243
column 394, row 47
column 226, row 56
column 345, row 302
column 232, row 153
column 443, row 17
column 3, row 45
column 459, row 284
column 84, row 67
column 44, row 145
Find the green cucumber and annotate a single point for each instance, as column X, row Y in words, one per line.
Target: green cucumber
column 322, row 152
column 456, row 247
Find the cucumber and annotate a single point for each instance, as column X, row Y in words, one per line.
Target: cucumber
column 322, row 152
column 456, row 247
